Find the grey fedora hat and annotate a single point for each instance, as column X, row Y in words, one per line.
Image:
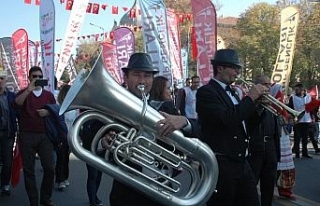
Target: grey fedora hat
column 141, row 62
column 226, row 57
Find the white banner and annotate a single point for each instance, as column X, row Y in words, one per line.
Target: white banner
column 47, row 35
column 184, row 57
column 175, row 45
column 76, row 19
column 283, row 66
column 155, row 34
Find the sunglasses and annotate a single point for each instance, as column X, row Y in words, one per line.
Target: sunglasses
column 35, row 76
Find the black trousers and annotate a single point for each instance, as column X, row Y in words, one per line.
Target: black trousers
column 6, row 148
column 236, row 185
column 30, row 144
column 301, row 131
column 264, row 168
column 62, row 165
column 93, row 183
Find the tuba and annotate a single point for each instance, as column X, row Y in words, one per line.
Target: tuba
column 105, row 100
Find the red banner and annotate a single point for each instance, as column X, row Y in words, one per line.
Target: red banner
column 109, row 56
column 205, row 25
column 20, row 52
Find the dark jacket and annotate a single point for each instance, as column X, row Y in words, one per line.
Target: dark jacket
column 221, row 121
column 12, row 114
column 258, row 127
column 168, row 107
column 56, row 128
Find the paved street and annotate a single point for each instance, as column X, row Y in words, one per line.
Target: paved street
column 307, row 188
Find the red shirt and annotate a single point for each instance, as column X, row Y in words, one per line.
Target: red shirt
column 28, row 117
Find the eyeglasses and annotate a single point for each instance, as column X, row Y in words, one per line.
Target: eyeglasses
column 232, row 66
column 35, row 76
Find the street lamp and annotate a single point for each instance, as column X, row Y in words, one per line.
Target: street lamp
column 100, row 27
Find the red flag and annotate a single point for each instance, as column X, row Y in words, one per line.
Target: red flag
column 205, row 23
column 95, row 9
column 104, row 6
column 37, row 2
column 312, row 105
column 89, row 7
column 61, row 1
column 69, row 4
column 181, row 18
column 194, row 43
column 314, row 92
column 132, row 14
column 16, row 167
column 27, row 1
column 114, row 10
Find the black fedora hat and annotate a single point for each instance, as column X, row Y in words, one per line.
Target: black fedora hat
column 226, row 57
column 140, row 62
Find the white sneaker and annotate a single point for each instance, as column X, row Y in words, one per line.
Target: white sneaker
column 66, row 183
column 61, row 186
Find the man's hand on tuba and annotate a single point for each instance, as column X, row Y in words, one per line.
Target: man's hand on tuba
column 170, row 123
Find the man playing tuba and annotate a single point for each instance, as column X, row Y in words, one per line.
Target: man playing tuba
column 141, row 72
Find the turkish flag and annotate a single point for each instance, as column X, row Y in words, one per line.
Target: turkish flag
column 89, row 7
column 104, row 6
column 181, row 18
column 133, row 13
column 69, row 4
column 27, row 1
column 37, row 2
column 95, row 9
column 61, row 1
column 114, row 10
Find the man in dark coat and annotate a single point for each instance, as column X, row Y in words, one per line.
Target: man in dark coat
column 264, row 130
column 222, row 115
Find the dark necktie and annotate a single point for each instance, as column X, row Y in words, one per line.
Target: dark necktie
column 228, row 89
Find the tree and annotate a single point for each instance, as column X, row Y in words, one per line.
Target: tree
column 258, row 39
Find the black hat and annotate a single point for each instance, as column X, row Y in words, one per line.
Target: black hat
column 140, row 62
column 226, row 57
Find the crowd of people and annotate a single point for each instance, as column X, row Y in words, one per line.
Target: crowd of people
column 249, row 136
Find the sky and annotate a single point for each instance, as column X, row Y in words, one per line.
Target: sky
column 16, row 14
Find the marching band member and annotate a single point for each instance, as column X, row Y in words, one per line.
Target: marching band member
column 285, row 169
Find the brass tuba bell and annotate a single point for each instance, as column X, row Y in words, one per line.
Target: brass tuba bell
column 120, row 110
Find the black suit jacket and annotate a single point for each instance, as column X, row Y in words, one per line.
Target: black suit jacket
column 221, row 121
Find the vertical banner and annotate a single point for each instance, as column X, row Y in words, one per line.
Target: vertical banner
column 109, row 57
column 20, row 51
column 184, row 57
column 76, row 19
column 205, row 27
column 33, row 53
column 175, row 45
column 125, row 43
column 288, row 31
column 71, row 70
column 155, row 34
column 47, row 35
column 7, row 57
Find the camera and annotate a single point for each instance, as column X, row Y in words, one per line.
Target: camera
column 41, row 82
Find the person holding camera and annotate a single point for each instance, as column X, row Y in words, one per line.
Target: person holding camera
column 33, row 139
